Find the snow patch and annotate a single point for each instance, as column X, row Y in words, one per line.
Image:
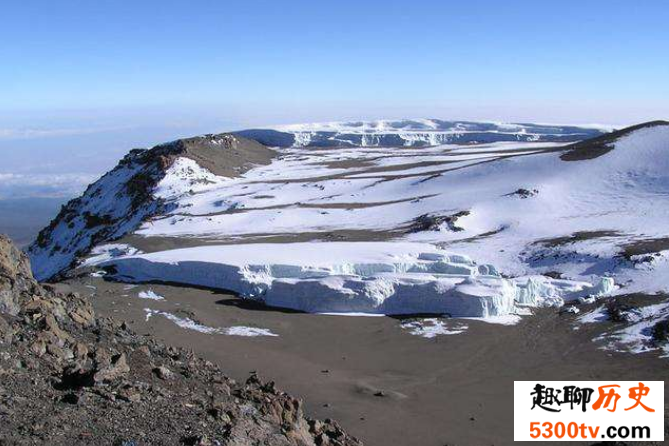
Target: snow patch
column 637, row 337
column 507, row 319
column 571, row 310
column 189, row 324
column 150, row 294
column 241, row 330
column 106, row 252
column 597, row 315
column 431, row 328
column 186, row 177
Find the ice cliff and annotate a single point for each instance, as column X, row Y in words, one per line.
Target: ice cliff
column 362, row 277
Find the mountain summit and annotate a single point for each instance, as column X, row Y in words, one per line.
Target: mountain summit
column 458, row 228
column 125, row 197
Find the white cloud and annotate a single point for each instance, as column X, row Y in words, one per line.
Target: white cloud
column 13, row 185
column 35, row 133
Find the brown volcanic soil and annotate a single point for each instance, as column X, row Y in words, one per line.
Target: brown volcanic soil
column 225, row 155
column 386, row 386
column 156, row 243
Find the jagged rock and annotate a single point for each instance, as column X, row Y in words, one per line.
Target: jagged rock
column 6, row 331
column 660, row 332
column 15, row 277
column 130, row 393
column 83, row 316
column 524, row 193
column 93, row 365
column 80, row 350
column 38, row 347
column 163, row 372
column 618, row 311
column 145, row 350
column 53, row 328
column 427, row 222
column 117, row 367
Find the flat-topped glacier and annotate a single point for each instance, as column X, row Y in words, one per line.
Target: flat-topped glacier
column 364, row 277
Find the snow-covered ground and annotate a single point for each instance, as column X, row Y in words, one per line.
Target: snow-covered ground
column 432, row 327
column 635, row 333
column 461, row 229
column 577, row 220
column 150, row 294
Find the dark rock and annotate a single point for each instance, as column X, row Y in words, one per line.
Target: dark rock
column 70, row 398
column 76, row 376
column 660, row 332
column 618, row 311
column 523, row 193
column 427, row 222
column 196, row 440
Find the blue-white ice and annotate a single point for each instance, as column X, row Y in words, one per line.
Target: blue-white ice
column 362, row 277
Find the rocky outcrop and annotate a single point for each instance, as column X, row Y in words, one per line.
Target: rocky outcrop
column 71, row 378
column 16, row 280
column 123, row 199
column 427, row 222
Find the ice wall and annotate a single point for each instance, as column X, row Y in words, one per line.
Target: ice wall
column 385, row 278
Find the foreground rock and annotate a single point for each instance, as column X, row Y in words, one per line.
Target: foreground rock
column 68, row 377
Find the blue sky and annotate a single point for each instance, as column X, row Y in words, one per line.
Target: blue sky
column 104, row 76
column 279, row 59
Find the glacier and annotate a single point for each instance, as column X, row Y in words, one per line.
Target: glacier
column 361, row 277
column 415, row 133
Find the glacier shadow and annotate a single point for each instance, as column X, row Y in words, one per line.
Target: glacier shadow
column 231, row 298
column 237, row 301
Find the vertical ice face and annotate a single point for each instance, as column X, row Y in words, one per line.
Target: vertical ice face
column 366, row 277
column 415, row 132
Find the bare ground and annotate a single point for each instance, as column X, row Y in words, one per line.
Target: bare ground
column 386, row 386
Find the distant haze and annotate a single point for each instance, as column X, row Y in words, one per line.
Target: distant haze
column 84, row 82
column 22, row 219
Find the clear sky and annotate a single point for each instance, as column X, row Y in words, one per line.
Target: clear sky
column 117, row 74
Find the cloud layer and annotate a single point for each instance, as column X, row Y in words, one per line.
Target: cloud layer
column 43, row 185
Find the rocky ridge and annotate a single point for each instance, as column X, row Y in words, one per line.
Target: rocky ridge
column 123, row 198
